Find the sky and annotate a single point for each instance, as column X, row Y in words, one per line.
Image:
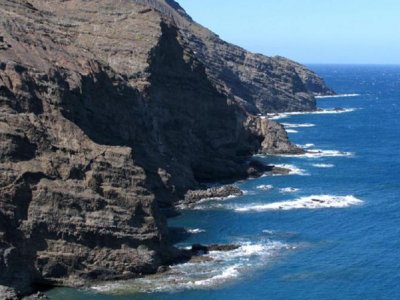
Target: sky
column 308, row 31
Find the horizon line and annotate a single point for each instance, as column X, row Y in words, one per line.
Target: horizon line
column 350, row 64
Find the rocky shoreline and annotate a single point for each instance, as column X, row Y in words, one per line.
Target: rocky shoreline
column 193, row 197
column 99, row 139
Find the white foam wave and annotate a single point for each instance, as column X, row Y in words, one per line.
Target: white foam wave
column 246, row 192
column 227, row 274
column 293, row 170
column 305, row 125
column 289, row 190
column 195, row 230
column 306, row 146
column 211, row 205
column 324, row 166
column 278, row 116
column 104, row 288
column 265, row 187
column 291, row 131
column 337, row 96
column 309, row 202
column 220, row 267
column 319, row 153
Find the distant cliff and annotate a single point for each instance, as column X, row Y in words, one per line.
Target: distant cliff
column 109, row 114
column 258, row 83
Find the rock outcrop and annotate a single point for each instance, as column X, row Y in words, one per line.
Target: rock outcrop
column 109, row 114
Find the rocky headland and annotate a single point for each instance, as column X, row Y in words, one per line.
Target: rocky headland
column 109, row 115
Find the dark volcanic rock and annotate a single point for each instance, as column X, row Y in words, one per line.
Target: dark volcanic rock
column 218, row 247
column 198, row 249
column 193, row 196
column 257, row 168
column 109, row 113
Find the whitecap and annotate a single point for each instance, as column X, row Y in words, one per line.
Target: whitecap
column 210, row 205
column 226, row 275
column 337, row 96
column 309, row 202
column 104, row 288
column 305, row 146
column 304, row 125
column 324, row 166
column 289, row 190
column 265, row 187
column 195, row 230
column 319, row 153
column 246, row 192
column 277, row 116
column 291, row 131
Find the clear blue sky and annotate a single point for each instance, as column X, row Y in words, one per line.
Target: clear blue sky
column 309, row 31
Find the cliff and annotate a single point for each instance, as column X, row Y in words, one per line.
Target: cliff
column 111, row 113
column 258, row 83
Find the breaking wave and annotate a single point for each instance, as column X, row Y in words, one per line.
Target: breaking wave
column 216, row 269
column 309, row 202
column 337, row 96
column 310, row 153
column 246, row 192
column 305, row 125
column 195, row 230
column 277, row 116
column 324, row 166
column 265, row 187
column 289, row 190
column 306, row 146
column 291, row 131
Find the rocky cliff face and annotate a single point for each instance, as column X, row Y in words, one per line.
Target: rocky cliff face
column 258, row 83
column 110, row 113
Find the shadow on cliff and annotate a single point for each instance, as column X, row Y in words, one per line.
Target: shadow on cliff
column 180, row 124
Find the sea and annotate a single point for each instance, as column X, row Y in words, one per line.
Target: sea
column 328, row 230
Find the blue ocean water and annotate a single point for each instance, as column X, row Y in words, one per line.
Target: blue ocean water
column 338, row 237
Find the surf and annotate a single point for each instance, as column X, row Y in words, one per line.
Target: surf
column 309, row 202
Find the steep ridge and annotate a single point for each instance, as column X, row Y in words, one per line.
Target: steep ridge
column 258, row 83
column 109, row 113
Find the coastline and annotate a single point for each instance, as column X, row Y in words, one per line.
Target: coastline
column 333, row 246
column 95, row 150
column 218, row 192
